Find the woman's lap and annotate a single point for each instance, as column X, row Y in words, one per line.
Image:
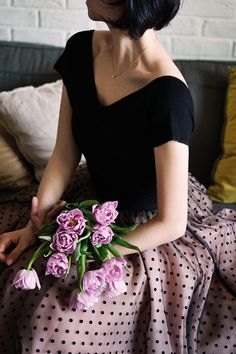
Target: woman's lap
column 180, row 298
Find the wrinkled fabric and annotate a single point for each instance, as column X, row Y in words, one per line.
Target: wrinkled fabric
column 180, row 297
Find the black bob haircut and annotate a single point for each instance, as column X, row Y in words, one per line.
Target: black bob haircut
column 140, row 15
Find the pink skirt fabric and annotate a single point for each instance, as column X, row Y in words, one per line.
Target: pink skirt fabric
column 180, row 299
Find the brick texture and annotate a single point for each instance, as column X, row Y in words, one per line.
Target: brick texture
column 40, row 3
column 5, row 34
column 4, row 2
column 202, row 29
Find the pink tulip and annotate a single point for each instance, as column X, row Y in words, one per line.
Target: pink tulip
column 94, row 282
column 26, row 280
column 115, row 288
column 101, row 235
column 73, row 220
column 105, row 213
column 64, row 241
column 57, row 265
column 81, row 300
column 114, row 269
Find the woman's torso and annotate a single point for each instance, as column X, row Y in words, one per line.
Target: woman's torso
column 118, row 138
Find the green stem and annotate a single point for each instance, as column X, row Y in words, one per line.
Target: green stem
column 78, row 271
column 96, row 252
column 69, row 264
column 127, row 269
column 37, row 254
column 82, row 264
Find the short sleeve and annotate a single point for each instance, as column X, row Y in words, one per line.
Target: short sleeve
column 74, row 57
column 63, row 63
column 74, row 65
column 172, row 112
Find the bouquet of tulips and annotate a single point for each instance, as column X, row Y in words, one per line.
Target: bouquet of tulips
column 81, row 233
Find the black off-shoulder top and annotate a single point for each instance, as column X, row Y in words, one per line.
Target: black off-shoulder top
column 118, row 140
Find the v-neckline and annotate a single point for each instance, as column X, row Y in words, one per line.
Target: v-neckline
column 131, row 94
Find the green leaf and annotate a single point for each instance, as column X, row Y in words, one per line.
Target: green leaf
column 88, row 203
column 104, row 254
column 112, row 250
column 87, row 214
column 49, row 252
column 96, row 252
column 118, row 240
column 46, row 238
column 70, row 206
column 49, row 228
column 77, row 252
column 123, row 229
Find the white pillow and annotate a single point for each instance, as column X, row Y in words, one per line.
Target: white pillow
column 30, row 114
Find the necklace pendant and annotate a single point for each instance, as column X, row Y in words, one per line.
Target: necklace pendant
column 113, row 76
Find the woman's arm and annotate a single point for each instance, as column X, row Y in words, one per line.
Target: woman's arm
column 172, row 193
column 56, row 177
column 62, row 163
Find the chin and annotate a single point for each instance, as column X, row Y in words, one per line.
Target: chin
column 94, row 17
column 92, row 13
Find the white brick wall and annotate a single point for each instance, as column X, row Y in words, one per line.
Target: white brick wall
column 202, row 29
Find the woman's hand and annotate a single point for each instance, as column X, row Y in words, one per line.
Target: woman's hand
column 14, row 243
column 34, row 216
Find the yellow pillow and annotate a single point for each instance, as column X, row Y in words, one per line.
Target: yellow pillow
column 15, row 173
column 224, row 174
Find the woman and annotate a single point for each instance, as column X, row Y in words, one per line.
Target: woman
column 126, row 106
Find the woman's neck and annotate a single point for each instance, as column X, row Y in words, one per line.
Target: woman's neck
column 126, row 50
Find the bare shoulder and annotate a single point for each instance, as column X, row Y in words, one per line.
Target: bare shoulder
column 165, row 66
column 101, row 39
column 170, row 69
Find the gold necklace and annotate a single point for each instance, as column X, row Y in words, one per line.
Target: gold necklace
column 115, row 75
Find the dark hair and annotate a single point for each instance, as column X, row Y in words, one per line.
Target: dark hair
column 140, row 15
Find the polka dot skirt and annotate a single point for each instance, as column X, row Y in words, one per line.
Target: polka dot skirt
column 180, row 299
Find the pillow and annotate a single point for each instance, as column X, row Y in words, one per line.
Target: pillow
column 30, row 115
column 15, row 173
column 224, row 173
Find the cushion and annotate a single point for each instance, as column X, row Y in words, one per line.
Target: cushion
column 208, row 82
column 24, row 64
column 15, row 173
column 224, row 173
column 30, row 115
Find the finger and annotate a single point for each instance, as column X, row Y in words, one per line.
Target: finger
column 52, row 213
column 4, row 243
column 3, row 258
column 34, row 206
column 35, row 221
column 59, row 206
column 15, row 254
